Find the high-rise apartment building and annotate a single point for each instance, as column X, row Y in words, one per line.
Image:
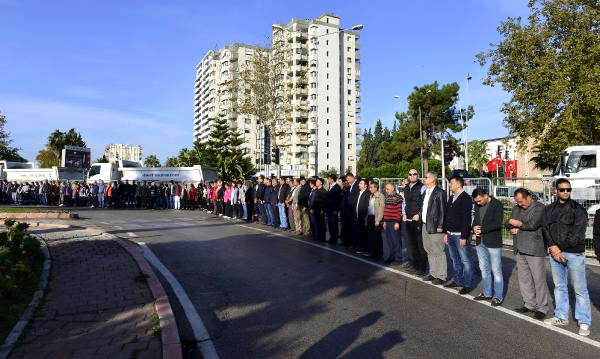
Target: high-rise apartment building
column 121, row 151
column 215, row 95
column 323, row 85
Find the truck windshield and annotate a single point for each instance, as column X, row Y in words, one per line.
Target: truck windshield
column 95, row 170
column 580, row 160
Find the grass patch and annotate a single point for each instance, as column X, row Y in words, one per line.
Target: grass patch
column 27, row 210
column 21, row 261
column 155, row 330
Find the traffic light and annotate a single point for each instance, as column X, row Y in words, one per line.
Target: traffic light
column 275, row 155
column 448, row 152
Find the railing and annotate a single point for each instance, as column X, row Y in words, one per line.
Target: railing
column 586, row 191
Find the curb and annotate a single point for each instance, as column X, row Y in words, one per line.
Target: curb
column 171, row 344
column 18, row 329
column 48, row 225
column 36, row 215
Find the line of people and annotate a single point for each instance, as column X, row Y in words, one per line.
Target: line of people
column 450, row 242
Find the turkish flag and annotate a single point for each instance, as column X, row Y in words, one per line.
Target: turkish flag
column 510, row 168
column 494, row 163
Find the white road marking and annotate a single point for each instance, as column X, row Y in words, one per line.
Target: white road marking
column 119, row 227
column 204, row 342
column 131, row 234
column 468, row 297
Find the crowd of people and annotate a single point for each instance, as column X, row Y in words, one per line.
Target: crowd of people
column 117, row 194
column 447, row 240
column 418, row 226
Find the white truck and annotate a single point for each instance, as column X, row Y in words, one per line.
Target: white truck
column 581, row 166
column 134, row 171
column 26, row 172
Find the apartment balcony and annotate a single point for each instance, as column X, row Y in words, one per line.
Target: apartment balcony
column 357, row 76
column 358, row 131
column 302, row 142
column 357, row 45
column 358, row 108
column 302, row 129
column 302, row 91
column 358, row 120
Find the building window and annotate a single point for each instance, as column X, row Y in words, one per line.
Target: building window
column 326, row 42
column 327, row 54
column 328, row 158
column 349, row 49
column 349, row 135
column 328, row 121
column 348, row 38
column 327, row 132
column 327, row 145
column 327, row 98
column 349, row 60
column 349, row 92
column 327, row 87
column 349, row 102
column 349, row 82
column 349, row 146
column 327, row 76
column 327, row 109
column 327, row 64
column 327, row 31
column 313, row 85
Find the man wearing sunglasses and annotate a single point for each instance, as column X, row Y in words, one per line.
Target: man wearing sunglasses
column 413, row 203
column 564, row 227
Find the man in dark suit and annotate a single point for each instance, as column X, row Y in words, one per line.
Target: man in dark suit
column 353, row 192
column 334, row 197
column 361, row 212
column 317, row 205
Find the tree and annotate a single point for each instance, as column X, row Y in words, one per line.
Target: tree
column 7, row 152
column 102, row 159
column 51, row 154
column 151, row 161
column 404, row 144
column 263, row 93
column 331, row 171
column 550, row 67
column 478, row 154
column 171, row 162
column 436, row 106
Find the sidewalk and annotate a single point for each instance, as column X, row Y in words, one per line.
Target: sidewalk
column 97, row 304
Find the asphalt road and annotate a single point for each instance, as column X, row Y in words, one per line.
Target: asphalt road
column 262, row 295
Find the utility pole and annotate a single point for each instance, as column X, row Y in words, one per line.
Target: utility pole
column 421, row 135
column 443, row 164
column 467, row 115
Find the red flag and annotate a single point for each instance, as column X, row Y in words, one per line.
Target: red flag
column 494, row 163
column 510, row 168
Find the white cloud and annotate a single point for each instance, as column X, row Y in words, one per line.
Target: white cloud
column 31, row 120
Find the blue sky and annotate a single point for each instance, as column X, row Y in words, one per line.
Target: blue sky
column 123, row 71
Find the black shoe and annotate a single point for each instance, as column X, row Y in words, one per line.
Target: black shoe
column 539, row 315
column 482, row 297
column 464, row 290
column 450, row 284
column 437, row 281
column 428, row 278
column 523, row 310
column 496, row 302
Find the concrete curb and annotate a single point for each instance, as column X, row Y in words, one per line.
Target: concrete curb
column 171, row 344
column 18, row 329
column 36, row 215
column 48, row 225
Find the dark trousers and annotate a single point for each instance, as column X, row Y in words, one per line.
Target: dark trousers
column 317, row 219
column 415, row 245
column 276, row 222
column 346, row 230
column 332, row 224
column 374, row 244
column 360, row 234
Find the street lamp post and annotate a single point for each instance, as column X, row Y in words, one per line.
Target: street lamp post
column 466, row 141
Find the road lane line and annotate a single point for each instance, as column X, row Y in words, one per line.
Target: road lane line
column 131, row 234
column 204, row 342
column 449, row 290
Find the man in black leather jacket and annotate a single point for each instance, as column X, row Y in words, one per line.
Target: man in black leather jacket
column 432, row 215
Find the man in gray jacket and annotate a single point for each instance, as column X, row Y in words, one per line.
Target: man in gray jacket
column 525, row 224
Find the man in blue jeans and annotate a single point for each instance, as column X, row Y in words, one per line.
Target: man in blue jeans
column 564, row 227
column 458, row 227
column 487, row 236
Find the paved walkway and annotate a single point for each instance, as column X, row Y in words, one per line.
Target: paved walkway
column 97, row 305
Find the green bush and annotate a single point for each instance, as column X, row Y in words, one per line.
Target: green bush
column 21, row 261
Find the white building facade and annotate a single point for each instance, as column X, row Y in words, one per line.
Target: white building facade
column 215, row 96
column 123, row 152
column 323, row 84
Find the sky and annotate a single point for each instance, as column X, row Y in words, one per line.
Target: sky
column 124, row 71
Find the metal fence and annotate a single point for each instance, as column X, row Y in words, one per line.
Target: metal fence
column 586, row 191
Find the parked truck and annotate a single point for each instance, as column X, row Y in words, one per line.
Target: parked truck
column 26, row 172
column 134, row 171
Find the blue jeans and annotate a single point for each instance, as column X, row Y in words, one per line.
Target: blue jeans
column 100, row 200
column 461, row 261
column 575, row 268
column 245, row 210
column 490, row 262
column 392, row 247
column 282, row 215
column 269, row 210
column 171, row 202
